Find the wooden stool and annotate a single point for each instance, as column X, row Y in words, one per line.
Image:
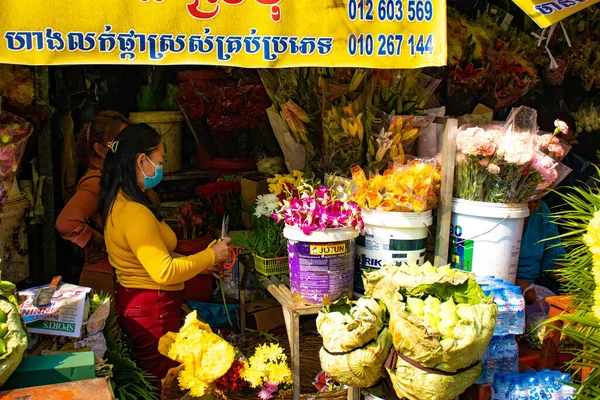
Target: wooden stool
column 292, row 311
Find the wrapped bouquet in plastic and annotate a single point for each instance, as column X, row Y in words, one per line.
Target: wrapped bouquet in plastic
column 356, row 342
column 441, row 323
column 14, row 133
column 513, row 163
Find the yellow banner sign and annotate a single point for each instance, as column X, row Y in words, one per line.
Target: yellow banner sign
column 246, row 33
column 546, row 13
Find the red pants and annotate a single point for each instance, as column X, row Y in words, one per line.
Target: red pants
column 145, row 316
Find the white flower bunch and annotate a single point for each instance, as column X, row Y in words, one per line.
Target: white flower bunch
column 266, row 205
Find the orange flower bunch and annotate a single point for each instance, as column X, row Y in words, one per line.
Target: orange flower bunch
column 411, row 187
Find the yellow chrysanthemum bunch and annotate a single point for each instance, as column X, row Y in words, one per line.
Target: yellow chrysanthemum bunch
column 268, row 364
column 279, row 183
column 592, row 239
column 204, row 356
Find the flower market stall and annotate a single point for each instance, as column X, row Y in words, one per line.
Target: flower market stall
column 380, row 167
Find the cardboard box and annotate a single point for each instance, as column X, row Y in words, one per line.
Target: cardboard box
column 264, row 315
column 63, row 317
column 48, row 370
column 252, row 184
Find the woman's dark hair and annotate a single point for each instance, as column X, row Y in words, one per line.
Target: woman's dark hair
column 105, row 126
column 120, row 168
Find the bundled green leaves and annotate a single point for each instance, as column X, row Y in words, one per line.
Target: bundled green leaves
column 14, row 343
column 356, row 342
column 423, row 302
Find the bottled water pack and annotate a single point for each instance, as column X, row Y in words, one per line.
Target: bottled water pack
column 501, row 357
column 546, row 384
column 510, row 302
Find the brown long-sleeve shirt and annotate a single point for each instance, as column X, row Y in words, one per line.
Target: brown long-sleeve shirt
column 73, row 222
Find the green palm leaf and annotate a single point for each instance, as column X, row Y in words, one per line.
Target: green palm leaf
column 577, row 277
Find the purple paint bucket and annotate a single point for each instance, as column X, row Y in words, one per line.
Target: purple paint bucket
column 321, row 264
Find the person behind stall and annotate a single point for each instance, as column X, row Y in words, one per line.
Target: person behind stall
column 540, row 253
column 140, row 246
column 79, row 221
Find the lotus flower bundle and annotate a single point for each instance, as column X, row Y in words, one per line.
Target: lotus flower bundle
column 318, row 209
column 355, row 342
column 411, row 187
column 441, row 323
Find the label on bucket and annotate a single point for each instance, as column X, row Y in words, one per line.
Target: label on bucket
column 321, row 271
column 462, row 253
column 375, row 251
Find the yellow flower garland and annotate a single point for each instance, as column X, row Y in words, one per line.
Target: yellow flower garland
column 592, row 240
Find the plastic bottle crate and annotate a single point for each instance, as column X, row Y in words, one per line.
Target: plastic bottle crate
column 271, row 266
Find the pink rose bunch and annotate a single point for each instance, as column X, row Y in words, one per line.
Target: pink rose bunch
column 318, row 209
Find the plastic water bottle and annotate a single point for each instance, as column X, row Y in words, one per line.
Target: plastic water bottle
column 533, row 388
column 501, row 301
column 513, row 359
column 517, row 311
column 549, row 387
column 567, row 391
column 518, row 390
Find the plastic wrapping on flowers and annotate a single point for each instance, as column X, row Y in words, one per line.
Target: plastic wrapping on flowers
column 344, row 115
column 441, row 323
column 356, row 342
column 14, row 133
column 513, row 163
column 410, row 187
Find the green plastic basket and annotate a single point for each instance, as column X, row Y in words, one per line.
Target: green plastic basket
column 271, row 266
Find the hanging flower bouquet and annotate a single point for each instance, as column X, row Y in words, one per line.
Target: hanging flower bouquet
column 390, row 123
column 413, row 187
column 510, row 164
column 344, row 112
column 317, row 208
column 14, row 133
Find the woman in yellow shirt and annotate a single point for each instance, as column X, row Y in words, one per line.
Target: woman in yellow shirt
column 140, row 246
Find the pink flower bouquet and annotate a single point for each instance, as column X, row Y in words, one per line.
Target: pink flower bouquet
column 14, row 133
column 318, row 209
column 510, row 164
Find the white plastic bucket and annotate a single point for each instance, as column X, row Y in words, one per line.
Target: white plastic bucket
column 321, row 264
column 390, row 238
column 168, row 126
column 14, row 255
column 486, row 237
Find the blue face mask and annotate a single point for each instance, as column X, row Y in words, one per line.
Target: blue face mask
column 151, row 182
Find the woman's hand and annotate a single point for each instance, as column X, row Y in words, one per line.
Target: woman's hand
column 222, row 250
